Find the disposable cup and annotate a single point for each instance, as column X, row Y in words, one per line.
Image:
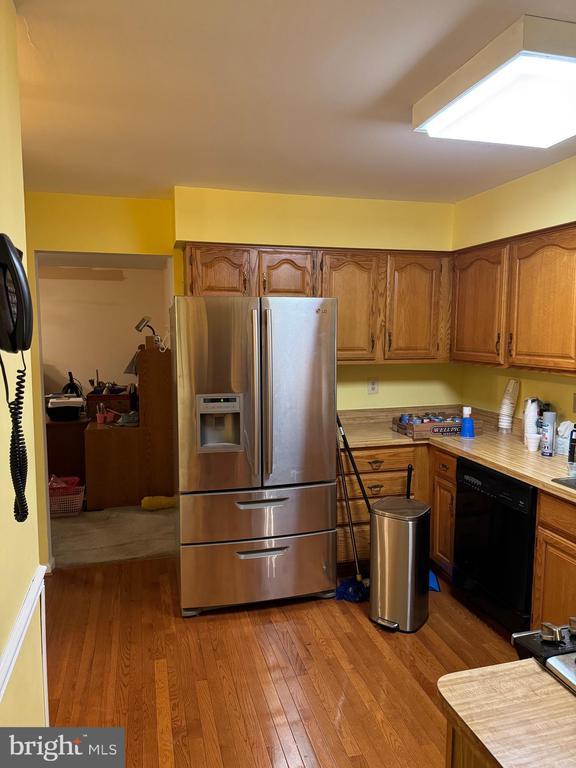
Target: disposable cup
column 532, row 443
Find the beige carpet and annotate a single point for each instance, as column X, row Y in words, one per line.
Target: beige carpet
column 120, row 533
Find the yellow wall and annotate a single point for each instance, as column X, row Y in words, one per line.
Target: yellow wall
column 541, row 199
column 484, row 387
column 18, row 541
column 219, row 215
column 399, row 385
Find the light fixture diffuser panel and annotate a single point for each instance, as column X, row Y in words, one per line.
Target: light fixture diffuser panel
column 528, row 101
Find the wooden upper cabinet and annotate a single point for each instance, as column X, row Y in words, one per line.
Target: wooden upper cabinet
column 542, row 316
column 352, row 278
column 285, row 272
column 479, row 305
column 221, row 270
column 413, row 295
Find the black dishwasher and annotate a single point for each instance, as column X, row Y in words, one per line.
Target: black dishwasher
column 494, row 532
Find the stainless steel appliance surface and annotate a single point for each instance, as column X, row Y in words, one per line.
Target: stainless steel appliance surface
column 554, row 646
column 399, row 557
column 256, row 437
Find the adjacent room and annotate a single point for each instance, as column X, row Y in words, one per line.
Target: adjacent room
column 288, row 354
column 104, row 366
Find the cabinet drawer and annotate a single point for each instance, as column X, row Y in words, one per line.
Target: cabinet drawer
column 444, row 465
column 344, row 545
column 237, row 572
column 557, row 514
column 256, row 514
column 377, row 484
column 357, row 508
column 379, row 459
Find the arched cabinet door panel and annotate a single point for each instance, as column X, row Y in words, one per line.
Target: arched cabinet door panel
column 352, row 278
column 479, row 305
column 285, row 272
column 221, row 270
column 542, row 316
column 412, row 306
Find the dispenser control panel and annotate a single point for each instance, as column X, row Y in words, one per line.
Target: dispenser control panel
column 220, row 422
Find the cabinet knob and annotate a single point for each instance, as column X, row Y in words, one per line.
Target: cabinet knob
column 244, row 281
column 375, row 488
column 443, row 467
column 498, row 344
column 389, row 340
column 510, row 344
column 372, row 342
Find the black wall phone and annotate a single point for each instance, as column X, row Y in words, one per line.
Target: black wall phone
column 15, row 336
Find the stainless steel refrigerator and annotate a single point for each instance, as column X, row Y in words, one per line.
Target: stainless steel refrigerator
column 256, row 440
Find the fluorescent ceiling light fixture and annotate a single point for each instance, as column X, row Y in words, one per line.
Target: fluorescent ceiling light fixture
column 520, row 89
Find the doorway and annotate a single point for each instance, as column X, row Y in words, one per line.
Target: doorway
column 104, row 453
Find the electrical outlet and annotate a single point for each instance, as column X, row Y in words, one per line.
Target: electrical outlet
column 372, row 386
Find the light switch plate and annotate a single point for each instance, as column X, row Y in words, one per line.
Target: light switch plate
column 372, row 386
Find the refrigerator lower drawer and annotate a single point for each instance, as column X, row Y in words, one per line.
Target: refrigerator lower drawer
column 266, row 513
column 214, row 575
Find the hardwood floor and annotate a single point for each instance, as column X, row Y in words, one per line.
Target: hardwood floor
column 309, row 683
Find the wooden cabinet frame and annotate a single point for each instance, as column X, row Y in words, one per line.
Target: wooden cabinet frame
column 480, row 286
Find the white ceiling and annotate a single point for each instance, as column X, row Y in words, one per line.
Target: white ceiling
column 132, row 97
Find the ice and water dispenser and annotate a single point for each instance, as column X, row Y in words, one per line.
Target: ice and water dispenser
column 220, row 426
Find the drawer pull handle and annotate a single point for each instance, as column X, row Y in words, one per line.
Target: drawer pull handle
column 253, row 554
column 444, row 467
column 262, row 503
column 375, row 463
column 375, row 488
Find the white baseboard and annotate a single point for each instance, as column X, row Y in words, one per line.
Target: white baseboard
column 9, row 655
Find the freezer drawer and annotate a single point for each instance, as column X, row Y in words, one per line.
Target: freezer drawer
column 215, row 517
column 213, row 575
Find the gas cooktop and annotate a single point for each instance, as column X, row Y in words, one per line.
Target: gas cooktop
column 554, row 647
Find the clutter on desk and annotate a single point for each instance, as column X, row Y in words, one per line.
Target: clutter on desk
column 61, row 407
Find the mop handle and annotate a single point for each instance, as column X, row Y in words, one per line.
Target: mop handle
column 348, row 510
column 352, row 461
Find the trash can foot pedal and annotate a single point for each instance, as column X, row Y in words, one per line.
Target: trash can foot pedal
column 392, row 626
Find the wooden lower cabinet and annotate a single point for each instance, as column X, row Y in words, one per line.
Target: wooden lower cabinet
column 443, row 467
column 554, row 586
column 383, row 471
column 442, row 524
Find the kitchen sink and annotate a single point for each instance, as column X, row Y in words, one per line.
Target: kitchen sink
column 570, row 482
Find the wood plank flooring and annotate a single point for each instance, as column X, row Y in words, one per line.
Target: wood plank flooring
column 309, row 683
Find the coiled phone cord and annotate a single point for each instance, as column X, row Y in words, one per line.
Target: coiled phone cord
column 18, row 454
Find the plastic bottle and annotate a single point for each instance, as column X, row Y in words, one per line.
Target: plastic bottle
column 467, row 432
column 572, row 454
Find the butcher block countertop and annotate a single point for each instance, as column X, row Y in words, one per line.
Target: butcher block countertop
column 504, row 453
column 515, row 713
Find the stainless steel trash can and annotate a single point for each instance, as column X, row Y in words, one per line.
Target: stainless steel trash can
column 399, row 563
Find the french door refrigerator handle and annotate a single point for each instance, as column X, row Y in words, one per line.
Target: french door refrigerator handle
column 256, row 392
column 253, row 554
column 268, row 454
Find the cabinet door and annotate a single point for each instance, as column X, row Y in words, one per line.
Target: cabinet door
column 442, row 533
column 542, row 326
column 352, row 278
column 413, row 289
column 285, row 272
column 480, row 285
column 222, row 270
column 554, row 589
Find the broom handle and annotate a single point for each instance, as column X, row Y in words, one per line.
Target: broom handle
column 352, row 461
column 348, row 510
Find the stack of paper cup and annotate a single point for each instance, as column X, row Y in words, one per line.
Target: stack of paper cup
column 532, row 442
column 508, row 405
